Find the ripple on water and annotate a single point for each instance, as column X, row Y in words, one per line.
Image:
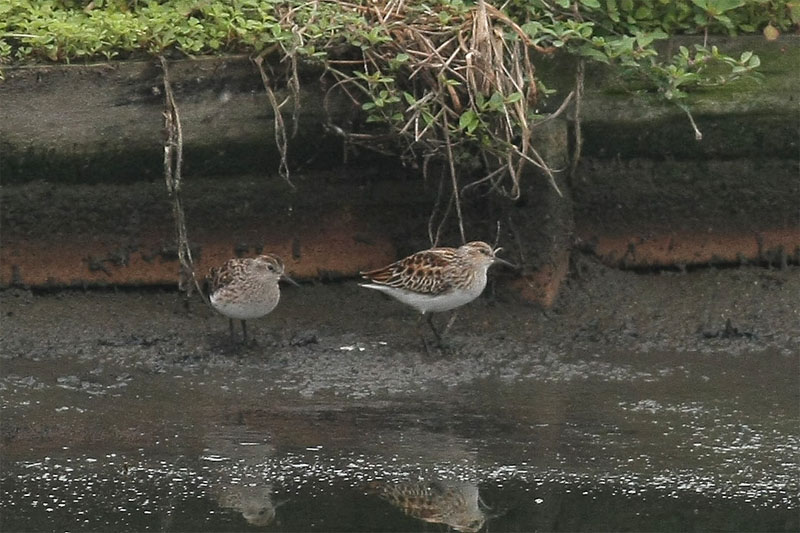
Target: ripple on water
column 139, row 493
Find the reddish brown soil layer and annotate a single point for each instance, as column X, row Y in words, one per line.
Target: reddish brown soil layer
column 681, row 248
column 330, row 249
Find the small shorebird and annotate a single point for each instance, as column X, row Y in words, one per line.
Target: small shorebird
column 438, row 279
column 454, row 503
column 245, row 288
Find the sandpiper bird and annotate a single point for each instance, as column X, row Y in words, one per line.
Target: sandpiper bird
column 454, row 503
column 438, row 279
column 245, row 288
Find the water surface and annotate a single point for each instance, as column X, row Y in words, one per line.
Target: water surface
column 656, row 441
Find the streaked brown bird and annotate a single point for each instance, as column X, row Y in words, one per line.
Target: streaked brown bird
column 437, row 279
column 246, row 288
column 454, row 503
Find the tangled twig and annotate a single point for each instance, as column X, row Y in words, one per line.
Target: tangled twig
column 576, row 154
column 455, row 92
column 281, row 139
column 173, row 161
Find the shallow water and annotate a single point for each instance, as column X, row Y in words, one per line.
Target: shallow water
column 696, row 443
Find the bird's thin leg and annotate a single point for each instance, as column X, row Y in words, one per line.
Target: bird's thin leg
column 433, row 328
column 233, row 333
column 244, row 331
column 450, row 322
column 425, row 345
column 422, row 334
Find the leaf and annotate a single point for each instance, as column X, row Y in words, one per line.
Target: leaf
column 771, row 32
column 593, row 4
column 725, row 20
column 532, row 28
column 496, row 101
column 794, row 11
column 721, row 6
column 589, row 51
column 659, row 34
column 611, row 9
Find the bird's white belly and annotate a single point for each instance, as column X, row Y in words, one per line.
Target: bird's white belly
column 243, row 310
column 426, row 303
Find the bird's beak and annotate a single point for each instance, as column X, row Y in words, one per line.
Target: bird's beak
column 284, row 277
column 501, row 261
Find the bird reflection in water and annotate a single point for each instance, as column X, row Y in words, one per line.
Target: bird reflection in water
column 254, row 502
column 235, row 460
column 454, row 503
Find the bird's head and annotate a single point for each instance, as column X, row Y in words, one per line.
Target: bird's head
column 481, row 253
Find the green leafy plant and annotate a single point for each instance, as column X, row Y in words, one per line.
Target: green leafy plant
column 446, row 81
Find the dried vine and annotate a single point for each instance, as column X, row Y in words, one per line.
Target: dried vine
column 455, row 95
column 579, row 84
column 281, row 137
column 467, row 87
column 173, row 161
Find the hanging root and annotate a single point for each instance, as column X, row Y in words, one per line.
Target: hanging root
column 461, row 97
column 454, row 179
column 281, row 139
column 173, row 160
column 455, row 86
column 698, row 135
column 578, row 92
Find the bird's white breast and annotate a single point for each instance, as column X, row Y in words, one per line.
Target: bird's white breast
column 427, row 303
column 244, row 309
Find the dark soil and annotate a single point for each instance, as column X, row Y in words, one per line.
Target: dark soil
column 660, row 401
column 354, row 342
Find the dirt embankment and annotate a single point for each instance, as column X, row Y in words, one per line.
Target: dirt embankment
column 83, row 202
column 341, row 337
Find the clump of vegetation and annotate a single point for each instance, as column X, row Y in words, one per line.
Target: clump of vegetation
column 70, row 30
column 447, row 81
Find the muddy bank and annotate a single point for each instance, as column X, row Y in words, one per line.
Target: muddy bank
column 639, row 401
column 353, row 342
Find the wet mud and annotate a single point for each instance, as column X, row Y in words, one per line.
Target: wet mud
column 655, row 401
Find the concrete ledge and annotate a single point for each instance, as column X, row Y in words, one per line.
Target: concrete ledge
column 110, row 234
column 333, row 248
column 103, row 123
column 776, row 247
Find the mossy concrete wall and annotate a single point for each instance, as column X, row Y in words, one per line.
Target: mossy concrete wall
column 84, row 201
column 648, row 194
column 104, row 123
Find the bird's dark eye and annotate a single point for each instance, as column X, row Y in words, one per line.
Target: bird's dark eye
column 271, row 268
